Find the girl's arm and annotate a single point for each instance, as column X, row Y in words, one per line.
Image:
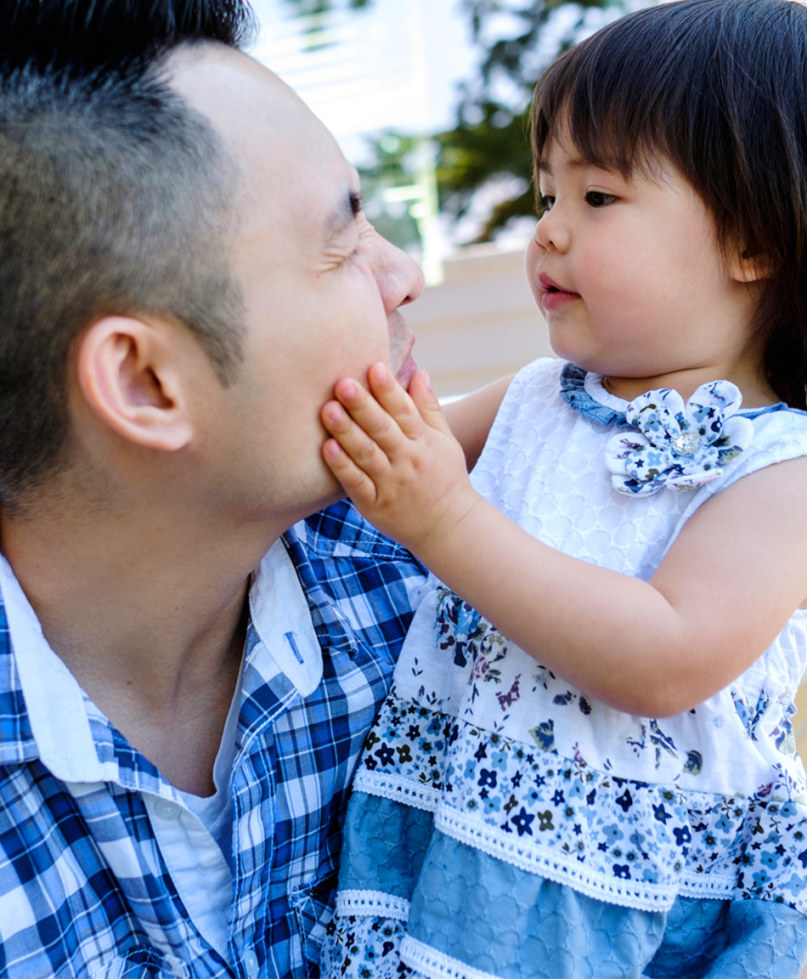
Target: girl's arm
column 725, row 589
column 470, row 417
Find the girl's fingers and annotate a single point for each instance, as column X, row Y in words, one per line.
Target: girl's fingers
column 410, row 410
column 355, row 443
column 426, row 403
column 388, row 422
column 356, row 483
column 394, row 400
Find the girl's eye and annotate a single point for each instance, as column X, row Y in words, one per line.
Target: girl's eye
column 598, row 198
column 544, row 204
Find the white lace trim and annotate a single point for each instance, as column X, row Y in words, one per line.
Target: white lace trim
column 561, row 870
column 397, row 788
column 372, row 904
column 703, row 886
column 437, row 965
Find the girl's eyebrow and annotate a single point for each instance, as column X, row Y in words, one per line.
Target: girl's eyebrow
column 573, row 163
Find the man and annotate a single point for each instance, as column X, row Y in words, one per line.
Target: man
column 185, row 684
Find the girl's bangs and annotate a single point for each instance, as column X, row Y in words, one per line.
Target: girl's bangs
column 623, row 96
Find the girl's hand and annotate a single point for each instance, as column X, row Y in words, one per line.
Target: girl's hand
column 396, row 458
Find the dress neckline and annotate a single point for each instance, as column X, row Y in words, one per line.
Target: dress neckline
column 584, row 391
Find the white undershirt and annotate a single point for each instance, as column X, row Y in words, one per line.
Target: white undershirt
column 196, row 842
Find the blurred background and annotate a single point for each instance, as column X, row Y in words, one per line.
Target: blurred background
column 429, row 99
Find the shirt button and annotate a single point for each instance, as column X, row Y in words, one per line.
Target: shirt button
column 250, row 962
column 164, row 809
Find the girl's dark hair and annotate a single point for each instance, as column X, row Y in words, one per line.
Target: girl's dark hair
column 719, row 88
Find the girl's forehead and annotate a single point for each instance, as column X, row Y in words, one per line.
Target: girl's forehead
column 557, row 147
column 579, row 142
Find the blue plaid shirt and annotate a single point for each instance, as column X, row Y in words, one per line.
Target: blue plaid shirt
column 84, row 890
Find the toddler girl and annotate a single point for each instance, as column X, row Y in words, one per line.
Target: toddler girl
column 586, row 765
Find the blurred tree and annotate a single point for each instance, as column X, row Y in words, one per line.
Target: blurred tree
column 307, row 8
column 482, row 164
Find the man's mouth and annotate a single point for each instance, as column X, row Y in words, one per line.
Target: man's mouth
column 407, row 370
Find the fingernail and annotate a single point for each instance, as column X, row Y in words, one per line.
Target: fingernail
column 380, row 372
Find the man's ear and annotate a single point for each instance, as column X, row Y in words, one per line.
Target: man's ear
column 128, row 370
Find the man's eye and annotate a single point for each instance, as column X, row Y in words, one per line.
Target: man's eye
column 598, row 198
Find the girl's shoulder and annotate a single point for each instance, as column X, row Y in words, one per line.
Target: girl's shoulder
column 779, row 434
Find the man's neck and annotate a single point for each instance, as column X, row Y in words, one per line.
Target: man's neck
column 150, row 621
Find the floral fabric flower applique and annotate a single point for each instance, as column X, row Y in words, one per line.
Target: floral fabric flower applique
column 678, row 446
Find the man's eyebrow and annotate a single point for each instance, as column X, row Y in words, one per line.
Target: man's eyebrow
column 343, row 217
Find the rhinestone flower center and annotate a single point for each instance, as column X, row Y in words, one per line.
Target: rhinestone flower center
column 686, row 443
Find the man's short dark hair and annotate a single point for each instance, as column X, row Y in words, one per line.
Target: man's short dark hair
column 116, row 197
column 82, row 36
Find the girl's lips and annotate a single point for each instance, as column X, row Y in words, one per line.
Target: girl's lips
column 557, row 300
column 548, row 285
column 554, row 296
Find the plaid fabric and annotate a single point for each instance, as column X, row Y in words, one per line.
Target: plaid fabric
column 83, row 887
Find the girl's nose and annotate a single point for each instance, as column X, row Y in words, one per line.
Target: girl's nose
column 553, row 230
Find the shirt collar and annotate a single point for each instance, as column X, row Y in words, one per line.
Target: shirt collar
column 281, row 617
column 61, row 716
column 56, row 704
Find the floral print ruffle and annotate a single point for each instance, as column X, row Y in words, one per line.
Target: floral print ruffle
column 678, row 446
column 364, row 947
column 480, row 737
column 509, row 779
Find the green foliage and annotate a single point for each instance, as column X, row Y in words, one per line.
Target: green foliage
column 474, row 155
column 312, row 8
column 489, row 143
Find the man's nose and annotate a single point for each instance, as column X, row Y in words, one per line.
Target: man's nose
column 399, row 276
